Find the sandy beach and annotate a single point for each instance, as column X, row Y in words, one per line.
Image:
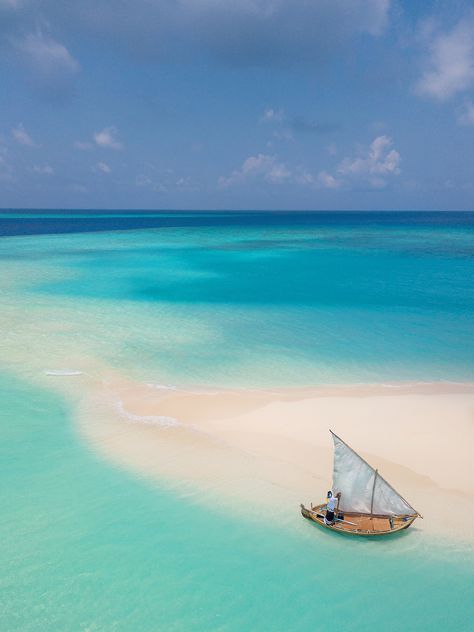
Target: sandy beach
column 271, row 449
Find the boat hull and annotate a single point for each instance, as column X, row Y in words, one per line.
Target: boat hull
column 359, row 524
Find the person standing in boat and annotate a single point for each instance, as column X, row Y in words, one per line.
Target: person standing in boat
column 333, row 501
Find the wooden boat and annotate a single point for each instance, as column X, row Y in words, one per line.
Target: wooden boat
column 367, row 505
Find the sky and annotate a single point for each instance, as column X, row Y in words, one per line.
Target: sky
column 237, row 104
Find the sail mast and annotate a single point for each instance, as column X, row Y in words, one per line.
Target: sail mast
column 373, row 493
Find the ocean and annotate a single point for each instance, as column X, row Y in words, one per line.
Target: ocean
column 224, row 299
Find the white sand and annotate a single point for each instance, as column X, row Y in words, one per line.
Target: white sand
column 271, row 450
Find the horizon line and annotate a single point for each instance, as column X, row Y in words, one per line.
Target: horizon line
column 204, row 210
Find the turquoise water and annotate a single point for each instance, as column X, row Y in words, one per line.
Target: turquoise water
column 251, row 305
column 87, row 546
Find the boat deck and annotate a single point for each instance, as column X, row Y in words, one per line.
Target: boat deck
column 358, row 524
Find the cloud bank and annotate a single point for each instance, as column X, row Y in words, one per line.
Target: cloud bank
column 48, row 64
column 449, row 65
column 242, row 32
column 373, row 166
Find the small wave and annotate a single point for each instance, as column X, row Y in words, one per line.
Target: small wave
column 163, row 387
column 399, row 385
column 62, row 372
column 423, row 384
column 150, row 420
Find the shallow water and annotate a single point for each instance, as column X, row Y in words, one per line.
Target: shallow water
column 87, row 546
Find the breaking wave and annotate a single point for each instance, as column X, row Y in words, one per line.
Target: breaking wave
column 150, row 420
column 163, row 387
column 62, row 372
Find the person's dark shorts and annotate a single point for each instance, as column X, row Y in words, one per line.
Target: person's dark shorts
column 329, row 516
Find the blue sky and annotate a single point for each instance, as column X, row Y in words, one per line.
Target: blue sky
column 237, row 104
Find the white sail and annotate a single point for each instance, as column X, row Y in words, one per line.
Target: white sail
column 362, row 488
column 388, row 502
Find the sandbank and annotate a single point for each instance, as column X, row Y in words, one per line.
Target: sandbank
column 265, row 451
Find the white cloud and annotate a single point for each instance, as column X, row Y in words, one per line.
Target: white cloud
column 261, row 166
column 43, row 170
column 449, row 67
column 104, row 167
column 327, row 181
column 323, row 180
column 276, row 118
column 305, row 177
column 269, row 169
column 466, row 113
column 83, row 146
column 47, row 54
column 20, row 134
column 107, row 138
column 184, row 183
column 270, row 115
column 50, row 64
column 374, row 164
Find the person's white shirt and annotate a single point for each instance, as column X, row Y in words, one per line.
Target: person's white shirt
column 332, row 502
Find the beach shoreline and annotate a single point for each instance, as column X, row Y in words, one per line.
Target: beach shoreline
column 264, row 451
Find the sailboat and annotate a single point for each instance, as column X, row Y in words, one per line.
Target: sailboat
column 367, row 504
